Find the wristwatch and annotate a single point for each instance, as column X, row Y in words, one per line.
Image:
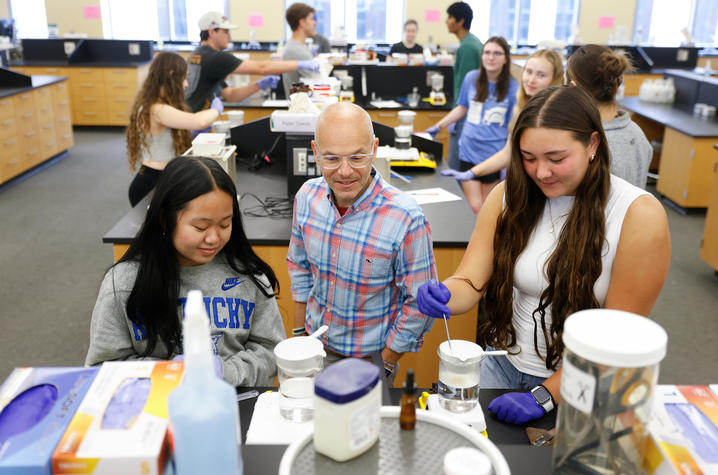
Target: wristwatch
column 543, row 398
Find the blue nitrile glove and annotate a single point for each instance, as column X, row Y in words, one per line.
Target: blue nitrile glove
column 26, row 410
column 461, row 176
column 217, row 105
column 308, row 65
column 216, row 360
column 451, row 128
column 195, row 133
column 433, row 131
column 432, row 299
column 516, row 408
column 268, row 82
column 126, row 404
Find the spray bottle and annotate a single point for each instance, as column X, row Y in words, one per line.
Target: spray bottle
column 203, row 412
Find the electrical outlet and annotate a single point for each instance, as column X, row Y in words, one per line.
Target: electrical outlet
column 300, row 161
column 134, row 49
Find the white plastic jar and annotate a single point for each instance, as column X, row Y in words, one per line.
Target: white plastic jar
column 347, row 409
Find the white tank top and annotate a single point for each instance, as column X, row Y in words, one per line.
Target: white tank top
column 530, row 277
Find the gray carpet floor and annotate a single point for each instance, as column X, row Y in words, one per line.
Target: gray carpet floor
column 52, row 261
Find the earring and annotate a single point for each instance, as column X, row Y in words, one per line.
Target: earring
column 592, row 157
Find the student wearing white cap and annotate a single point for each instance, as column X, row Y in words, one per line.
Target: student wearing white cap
column 209, row 66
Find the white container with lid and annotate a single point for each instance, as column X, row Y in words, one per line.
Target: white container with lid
column 467, row 461
column 299, row 360
column 459, row 370
column 347, row 405
column 609, row 372
column 208, row 145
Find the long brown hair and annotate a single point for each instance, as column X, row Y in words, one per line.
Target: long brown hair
column 502, row 83
column 555, row 60
column 163, row 85
column 599, row 70
column 575, row 265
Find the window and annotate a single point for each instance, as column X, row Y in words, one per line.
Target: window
column 659, row 22
column 30, row 18
column 367, row 21
column 161, row 19
column 524, row 21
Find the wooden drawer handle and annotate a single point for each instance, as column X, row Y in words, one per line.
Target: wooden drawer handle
column 5, row 102
column 50, row 143
column 25, row 96
column 7, row 122
column 47, row 126
column 62, row 103
column 10, row 142
column 87, row 84
column 27, row 116
column 46, row 108
column 30, row 134
column 67, row 136
column 13, row 161
column 65, row 119
column 33, row 152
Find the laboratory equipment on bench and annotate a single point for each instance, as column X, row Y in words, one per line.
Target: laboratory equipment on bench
column 610, row 369
column 459, row 374
column 422, row 450
column 402, row 137
column 347, row 91
column 437, row 96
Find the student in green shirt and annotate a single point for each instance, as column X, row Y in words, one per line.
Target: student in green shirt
column 468, row 57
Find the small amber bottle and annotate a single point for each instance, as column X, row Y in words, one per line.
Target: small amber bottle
column 407, row 415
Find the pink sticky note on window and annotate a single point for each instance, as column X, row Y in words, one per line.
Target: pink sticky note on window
column 256, row 20
column 606, row 21
column 432, row 15
column 91, row 12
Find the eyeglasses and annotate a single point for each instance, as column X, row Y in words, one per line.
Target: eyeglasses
column 493, row 53
column 356, row 160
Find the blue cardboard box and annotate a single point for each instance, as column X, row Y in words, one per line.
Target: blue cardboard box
column 46, row 396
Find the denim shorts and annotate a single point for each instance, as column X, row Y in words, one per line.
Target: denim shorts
column 497, row 372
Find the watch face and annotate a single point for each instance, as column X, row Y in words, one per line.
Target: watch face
column 541, row 394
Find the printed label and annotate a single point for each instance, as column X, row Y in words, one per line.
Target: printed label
column 474, row 114
column 363, row 425
column 578, row 388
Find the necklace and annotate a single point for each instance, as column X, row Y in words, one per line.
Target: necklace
column 550, row 215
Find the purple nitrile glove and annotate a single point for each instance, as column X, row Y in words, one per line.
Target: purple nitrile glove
column 461, row 176
column 217, row 105
column 308, row 65
column 216, row 360
column 26, row 410
column 126, row 404
column 516, row 408
column 432, row 298
column 195, row 133
column 268, row 82
column 433, row 131
column 451, row 128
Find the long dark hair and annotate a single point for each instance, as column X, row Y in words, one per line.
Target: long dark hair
column 502, row 83
column 164, row 85
column 575, row 265
column 153, row 300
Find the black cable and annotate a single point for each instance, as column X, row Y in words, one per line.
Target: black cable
column 274, row 207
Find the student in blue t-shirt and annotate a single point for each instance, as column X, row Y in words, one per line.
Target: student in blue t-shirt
column 487, row 100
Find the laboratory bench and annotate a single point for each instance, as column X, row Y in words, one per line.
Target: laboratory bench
column 685, row 168
column 35, row 122
column 511, row 440
column 451, row 226
column 709, row 243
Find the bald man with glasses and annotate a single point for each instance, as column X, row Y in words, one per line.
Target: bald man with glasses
column 359, row 249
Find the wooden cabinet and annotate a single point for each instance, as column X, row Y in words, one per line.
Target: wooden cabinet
column 632, row 82
column 97, row 96
column 34, row 126
column 686, row 169
column 709, row 244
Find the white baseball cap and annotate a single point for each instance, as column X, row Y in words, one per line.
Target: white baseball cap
column 214, row 20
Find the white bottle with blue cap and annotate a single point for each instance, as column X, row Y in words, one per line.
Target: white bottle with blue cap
column 204, row 417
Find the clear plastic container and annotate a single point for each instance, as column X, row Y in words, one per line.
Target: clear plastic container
column 299, row 360
column 459, row 367
column 610, row 369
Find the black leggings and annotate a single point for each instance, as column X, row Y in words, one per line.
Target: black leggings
column 143, row 183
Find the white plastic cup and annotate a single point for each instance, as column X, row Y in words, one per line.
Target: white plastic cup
column 235, row 117
column 299, row 360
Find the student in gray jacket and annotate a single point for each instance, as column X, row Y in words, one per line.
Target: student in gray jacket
column 599, row 71
column 192, row 238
